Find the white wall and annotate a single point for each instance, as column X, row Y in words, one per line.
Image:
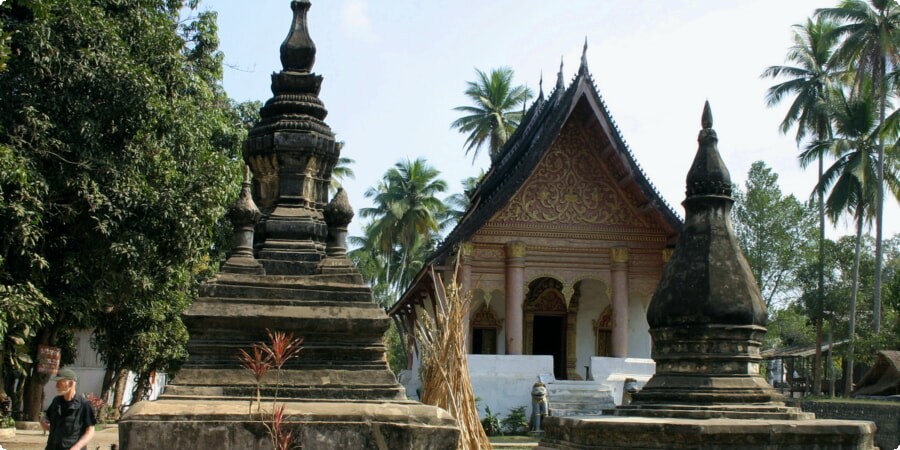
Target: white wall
column 504, row 382
column 90, row 370
column 614, row 371
column 638, row 328
column 594, row 299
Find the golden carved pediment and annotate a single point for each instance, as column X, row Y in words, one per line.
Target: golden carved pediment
column 571, row 185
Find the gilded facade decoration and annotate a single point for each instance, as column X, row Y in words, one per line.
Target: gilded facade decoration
column 667, row 254
column 515, row 249
column 619, row 254
column 572, row 185
column 484, row 317
column 466, row 250
column 603, row 333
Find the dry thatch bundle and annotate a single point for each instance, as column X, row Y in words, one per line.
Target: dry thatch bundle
column 445, row 372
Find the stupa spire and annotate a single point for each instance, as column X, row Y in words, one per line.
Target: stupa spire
column 708, row 174
column 298, row 52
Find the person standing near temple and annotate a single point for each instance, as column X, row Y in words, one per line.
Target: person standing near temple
column 69, row 417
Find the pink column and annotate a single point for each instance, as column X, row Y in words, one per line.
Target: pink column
column 515, row 296
column 465, row 287
column 619, row 274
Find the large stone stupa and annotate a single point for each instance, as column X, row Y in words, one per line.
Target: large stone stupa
column 292, row 276
column 707, row 320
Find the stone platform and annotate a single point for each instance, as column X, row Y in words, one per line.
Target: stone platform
column 220, row 423
column 645, row 433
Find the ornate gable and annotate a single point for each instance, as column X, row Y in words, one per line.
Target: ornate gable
column 572, row 185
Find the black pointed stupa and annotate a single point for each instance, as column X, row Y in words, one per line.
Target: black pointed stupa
column 339, row 392
column 707, row 317
column 707, row 321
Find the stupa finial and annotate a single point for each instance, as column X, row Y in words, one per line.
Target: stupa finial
column 298, row 52
column 706, row 121
column 708, row 174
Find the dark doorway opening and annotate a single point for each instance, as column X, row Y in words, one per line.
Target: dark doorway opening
column 549, row 338
column 484, row 341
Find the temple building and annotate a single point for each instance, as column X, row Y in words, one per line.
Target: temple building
column 563, row 243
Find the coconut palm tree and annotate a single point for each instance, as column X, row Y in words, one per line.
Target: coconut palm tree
column 808, row 81
column 495, row 112
column 457, row 204
column 341, row 172
column 852, row 181
column 870, row 34
column 405, row 218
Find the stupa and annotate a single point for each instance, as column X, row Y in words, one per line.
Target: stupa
column 707, row 320
column 288, row 273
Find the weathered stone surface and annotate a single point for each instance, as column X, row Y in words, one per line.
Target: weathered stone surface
column 675, row 434
column 224, row 424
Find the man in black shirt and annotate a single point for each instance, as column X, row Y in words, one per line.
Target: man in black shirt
column 69, row 417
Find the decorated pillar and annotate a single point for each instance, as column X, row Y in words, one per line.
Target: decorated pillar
column 619, row 271
column 465, row 289
column 515, row 296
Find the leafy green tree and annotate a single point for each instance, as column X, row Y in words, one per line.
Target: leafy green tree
column 870, row 34
column 495, row 111
column 776, row 233
column 117, row 109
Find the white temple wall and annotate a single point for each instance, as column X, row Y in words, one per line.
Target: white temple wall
column 638, row 328
column 594, row 299
column 504, row 382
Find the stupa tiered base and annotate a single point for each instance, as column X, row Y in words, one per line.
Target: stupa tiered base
column 226, row 423
column 649, row 433
column 338, row 393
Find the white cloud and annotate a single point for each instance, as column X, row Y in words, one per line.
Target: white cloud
column 356, row 22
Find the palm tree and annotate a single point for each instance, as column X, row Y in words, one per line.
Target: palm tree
column 341, row 172
column 809, row 81
column 871, row 38
column 495, row 113
column 457, row 204
column 405, row 218
column 852, row 179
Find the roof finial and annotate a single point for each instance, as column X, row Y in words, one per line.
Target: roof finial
column 583, row 67
column 298, row 52
column 559, row 77
column 541, row 85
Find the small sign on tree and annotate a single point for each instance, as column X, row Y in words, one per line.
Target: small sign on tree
column 48, row 359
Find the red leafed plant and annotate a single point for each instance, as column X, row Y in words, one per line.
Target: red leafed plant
column 265, row 356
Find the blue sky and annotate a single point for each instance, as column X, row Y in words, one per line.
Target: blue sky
column 395, row 69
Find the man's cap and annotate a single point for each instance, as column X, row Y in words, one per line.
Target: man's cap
column 66, row 374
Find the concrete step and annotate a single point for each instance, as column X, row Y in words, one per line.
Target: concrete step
column 579, row 398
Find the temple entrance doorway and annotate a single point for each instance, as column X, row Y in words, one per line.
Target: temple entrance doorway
column 549, row 338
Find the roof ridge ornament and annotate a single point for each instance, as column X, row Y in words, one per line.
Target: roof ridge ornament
column 583, row 69
column 298, row 52
column 560, row 84
column 541, row 85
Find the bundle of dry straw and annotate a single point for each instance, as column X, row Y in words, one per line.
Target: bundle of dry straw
column 445, row 372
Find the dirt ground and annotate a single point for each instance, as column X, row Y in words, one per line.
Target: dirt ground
column 36, row 440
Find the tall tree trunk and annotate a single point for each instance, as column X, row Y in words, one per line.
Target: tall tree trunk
column 879, row 207
column 109, row 377
column 817, row 358
column 851, row 329
column 820, row 294
column 121, row 383
column 34, row 384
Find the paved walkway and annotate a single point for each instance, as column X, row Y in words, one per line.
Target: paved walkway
column 36, row 440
